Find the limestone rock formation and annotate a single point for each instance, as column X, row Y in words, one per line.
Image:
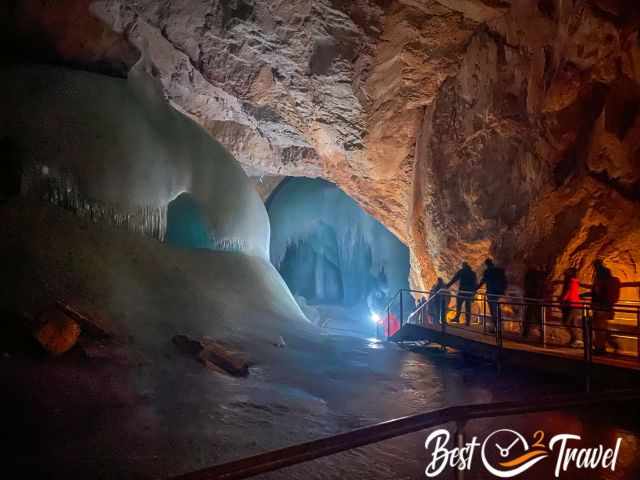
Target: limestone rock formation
column 214, row 355
column 508, row 128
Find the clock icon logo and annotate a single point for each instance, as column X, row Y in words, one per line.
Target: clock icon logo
column 510, row 453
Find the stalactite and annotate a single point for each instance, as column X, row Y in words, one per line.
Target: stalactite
column 228, row 245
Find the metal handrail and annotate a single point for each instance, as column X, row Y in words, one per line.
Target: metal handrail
column 587, row 325
column 524, row 301
column 303, row 452
column 548, row 302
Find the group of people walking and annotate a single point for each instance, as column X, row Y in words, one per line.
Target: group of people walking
column 493, row 278
column 601, row 295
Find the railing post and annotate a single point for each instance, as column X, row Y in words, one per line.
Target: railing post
column 588, row 350
column 637, row 332
column 543, row 325
column 588, row 341
column 443, row 316
column 484, row 315
column 401, row 309
column 443, row 312
column 388, row 320
column 585, row 341
column 498, row 329
column 461, row 442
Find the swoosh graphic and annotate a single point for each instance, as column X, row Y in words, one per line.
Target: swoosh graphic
column 523, row 458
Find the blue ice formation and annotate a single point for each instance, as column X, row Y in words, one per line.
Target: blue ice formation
column 115, row 150
column 331, row 251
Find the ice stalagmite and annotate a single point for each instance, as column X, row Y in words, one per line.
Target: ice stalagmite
column 115, row 151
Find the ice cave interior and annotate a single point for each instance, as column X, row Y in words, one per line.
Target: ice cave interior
column 336, row 259
column 203, row 203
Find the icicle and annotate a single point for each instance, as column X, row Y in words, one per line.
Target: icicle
column 228, row 245
column 60, row 189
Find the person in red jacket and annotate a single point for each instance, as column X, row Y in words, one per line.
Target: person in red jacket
column 391, row 325
column 571, row 305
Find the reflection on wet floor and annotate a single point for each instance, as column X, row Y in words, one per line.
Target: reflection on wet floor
column 433, row 379
column 190, row 419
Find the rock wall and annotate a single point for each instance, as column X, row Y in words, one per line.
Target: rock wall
column 470, row 128
column 529, row 153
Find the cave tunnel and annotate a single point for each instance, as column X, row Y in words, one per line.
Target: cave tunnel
column 338, row 261
column 186, row 224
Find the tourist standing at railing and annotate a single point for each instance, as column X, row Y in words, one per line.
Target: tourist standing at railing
column 571, row 305
column 467, row 286
column 605, row 292
column 435, row 305
column 391, row 325
column 496, row 281
column 534, row 292
column 420, row 309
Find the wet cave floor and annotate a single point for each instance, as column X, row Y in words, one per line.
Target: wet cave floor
column 76, row 417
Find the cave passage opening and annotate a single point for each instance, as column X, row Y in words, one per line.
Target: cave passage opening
column 186, row 223
column 341, row 264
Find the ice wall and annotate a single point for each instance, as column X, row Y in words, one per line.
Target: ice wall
column 114, row 150
column 326, row 231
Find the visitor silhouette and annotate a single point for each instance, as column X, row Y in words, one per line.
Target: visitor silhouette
column 435, row 307
column 496, row 281
column 605, row 293
column 467, row 286
column 534, row 292
column 571, row 303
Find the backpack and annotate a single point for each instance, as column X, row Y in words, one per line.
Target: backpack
column 612, row 292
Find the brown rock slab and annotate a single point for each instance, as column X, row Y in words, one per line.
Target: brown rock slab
column 230, row 362
column 187, row 345
column 94, row 324
column 214, row 355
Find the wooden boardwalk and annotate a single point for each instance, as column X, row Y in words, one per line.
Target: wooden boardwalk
column 472, row 340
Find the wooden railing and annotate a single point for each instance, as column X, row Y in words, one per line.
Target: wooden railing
column 303, row 452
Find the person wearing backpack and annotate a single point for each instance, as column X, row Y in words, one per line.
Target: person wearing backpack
column 605, row 293
column 435, row 307
column 467, row 283
column 495, row 280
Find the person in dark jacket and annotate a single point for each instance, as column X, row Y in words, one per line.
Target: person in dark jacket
column 495, row 280
column 534, row 292
column 604, row 294
column 435, row 307
column 467, row 286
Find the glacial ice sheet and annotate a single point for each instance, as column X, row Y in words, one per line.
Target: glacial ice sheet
column 312, row 215
column 114, row 150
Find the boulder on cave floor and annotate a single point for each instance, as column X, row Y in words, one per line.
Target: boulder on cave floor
column 214, row 355
column 58, row 328
column 56, row 332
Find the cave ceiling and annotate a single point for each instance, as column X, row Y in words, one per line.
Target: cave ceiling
column 470, row 128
